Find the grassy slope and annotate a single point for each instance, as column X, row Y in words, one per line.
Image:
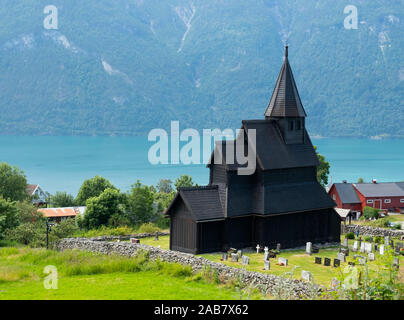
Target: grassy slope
column 83, row 275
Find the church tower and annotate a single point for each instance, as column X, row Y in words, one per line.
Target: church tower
column 286, row 107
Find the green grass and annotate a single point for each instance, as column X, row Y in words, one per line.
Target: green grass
column 84, row 275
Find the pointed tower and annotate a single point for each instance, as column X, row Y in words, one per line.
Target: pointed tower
column 286, row 107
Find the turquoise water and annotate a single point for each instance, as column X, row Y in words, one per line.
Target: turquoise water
column 62, row 163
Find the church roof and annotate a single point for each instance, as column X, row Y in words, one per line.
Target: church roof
column 285, row 100
column 203, row 202
column 271, row 150
column 292, row 197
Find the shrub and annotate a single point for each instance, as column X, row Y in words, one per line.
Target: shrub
column 378, row 239
column 368, row 238
column 148, row 228
column 369, row 212
column 350, row 235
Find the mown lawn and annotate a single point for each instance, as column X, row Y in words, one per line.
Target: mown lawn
column 298, row 260
column 84, row 275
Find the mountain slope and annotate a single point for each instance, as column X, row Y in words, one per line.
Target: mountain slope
column 124, row 67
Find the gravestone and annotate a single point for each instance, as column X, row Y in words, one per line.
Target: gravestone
column 240, row 253
column 317, row 260
column 376, row 247
column 386, row 241
column 341, row 256
column 337, row 263
column 355, row 246
column 344, row 251
column 362, row 249
column 381, row 249
column 327, row 262
column 306, row 275
column 368, row 247
column 283, row 261
column 245, row 260
column 315, row 249
column 392, row 243
column 278, row 247
column 362, row 260
column 371, row 256
column 346, row 242
column 309, row 248
column 234, row 257
column 267, row 265
column 258, row 248
column 396, row 262
column 266, row 255
column 156, row 236
column 225, row 256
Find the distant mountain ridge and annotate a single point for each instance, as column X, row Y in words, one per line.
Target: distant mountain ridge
column 124, row 67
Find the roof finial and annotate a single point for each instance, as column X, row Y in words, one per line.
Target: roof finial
column 286, row 50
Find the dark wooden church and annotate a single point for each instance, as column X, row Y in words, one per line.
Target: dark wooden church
column 282, row 202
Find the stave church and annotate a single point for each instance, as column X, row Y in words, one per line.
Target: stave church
column 281, row 202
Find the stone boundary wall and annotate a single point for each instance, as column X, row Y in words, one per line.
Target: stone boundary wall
column 127, row 237
column 266, row 283
column 373, row 231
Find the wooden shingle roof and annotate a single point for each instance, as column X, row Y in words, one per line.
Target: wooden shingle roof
column 203, row 202
column 285, row 100
column 293, row 197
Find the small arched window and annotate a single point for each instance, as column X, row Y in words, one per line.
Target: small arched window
column 291, row 122
column 298, row 124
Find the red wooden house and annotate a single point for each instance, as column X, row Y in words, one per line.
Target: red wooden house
column 387, row 195
column 355, row 196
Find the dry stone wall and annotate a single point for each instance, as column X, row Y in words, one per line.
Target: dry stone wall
column 274, row 285
column 372, row 231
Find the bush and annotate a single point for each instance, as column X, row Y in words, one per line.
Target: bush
column 368, row 238
column 369, row 212
column 378, row 239
column 350, row 235
column 148, row 228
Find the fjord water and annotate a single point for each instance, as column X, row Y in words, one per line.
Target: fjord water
column 62, row 163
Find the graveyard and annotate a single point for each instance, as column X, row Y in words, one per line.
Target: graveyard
column 298, row 260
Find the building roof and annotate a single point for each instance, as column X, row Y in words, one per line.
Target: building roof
column 285, row 100
column 347, row 193
column 343, row 213
column 203, row 202
column 31, row 188
column 272, row 152
column 296, row 197
column 62, row 212
column 383, row 189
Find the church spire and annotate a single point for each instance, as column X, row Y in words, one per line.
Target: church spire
column 285, row 100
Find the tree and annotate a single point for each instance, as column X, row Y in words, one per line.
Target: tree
column 323, row 170
column 164, row 186
column 62, row 199
column 13, row 183
column 184, row 181
column 361, row 180
column 100, row 209
column 140, row 203
column 8, row 216
column 92, row 188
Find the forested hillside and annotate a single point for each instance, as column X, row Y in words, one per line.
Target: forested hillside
column 123, row 67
